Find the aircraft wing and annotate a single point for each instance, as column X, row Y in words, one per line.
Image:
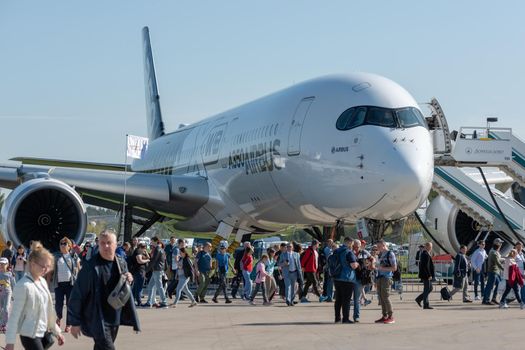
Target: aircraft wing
column 104, row 184
column 70, row 164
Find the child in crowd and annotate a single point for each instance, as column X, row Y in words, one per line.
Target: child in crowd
column 260, row 279
column 7, row 283
column 271, row 284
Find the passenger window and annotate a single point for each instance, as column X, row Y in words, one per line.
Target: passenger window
column 380, row 117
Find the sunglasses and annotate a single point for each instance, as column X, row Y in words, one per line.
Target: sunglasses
column 63, row 243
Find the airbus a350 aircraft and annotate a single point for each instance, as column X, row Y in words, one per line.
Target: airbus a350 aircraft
column 336, row 148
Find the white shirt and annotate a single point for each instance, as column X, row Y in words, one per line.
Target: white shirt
column 63, row 270
column 478, row 258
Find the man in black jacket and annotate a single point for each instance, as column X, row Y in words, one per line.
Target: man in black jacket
column 460, row 274
column 426, row 273
column 88, row 309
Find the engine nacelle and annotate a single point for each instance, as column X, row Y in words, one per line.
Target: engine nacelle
column 45, row 210
column 449, row 225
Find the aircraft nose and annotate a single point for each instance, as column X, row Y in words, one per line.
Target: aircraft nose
column 410, row 178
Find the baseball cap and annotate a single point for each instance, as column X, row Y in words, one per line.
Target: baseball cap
column 4, row 261
column 222, row 245
column 498, row 241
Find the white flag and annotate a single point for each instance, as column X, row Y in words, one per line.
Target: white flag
column 137, row 146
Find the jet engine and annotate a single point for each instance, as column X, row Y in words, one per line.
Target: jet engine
column 449, row 225
column 45, row 210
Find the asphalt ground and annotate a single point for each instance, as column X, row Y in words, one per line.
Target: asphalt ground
column 310, row 326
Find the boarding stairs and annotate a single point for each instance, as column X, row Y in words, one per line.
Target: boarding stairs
column 515, row 168
column 478, row 147
column 475, row 200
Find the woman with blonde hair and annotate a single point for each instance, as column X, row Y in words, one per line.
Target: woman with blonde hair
column 513, row 276
column 33, row 315
column 65, row 272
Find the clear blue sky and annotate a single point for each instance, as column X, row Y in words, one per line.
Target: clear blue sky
column 71, row 78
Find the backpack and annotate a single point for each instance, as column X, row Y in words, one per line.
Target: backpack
column 321, row 261
column 334, row 265
column 396, row 276
column 364, row 275
column 445, row 294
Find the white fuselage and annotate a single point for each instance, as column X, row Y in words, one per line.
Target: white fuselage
column 280, row 160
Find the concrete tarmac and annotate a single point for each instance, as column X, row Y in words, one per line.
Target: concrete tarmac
column 310, row 326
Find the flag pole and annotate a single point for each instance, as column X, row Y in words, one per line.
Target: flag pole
column 123, row 220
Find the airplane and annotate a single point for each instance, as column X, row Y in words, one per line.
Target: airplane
column 332, row 149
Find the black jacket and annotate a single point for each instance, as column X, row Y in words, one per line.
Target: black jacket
column 426, row 266
column 84, row 306
column 158, row 259
column 460, row 265
column 187, row 267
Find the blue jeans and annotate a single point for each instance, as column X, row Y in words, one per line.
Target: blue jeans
column 182, row 286
column 357, row 297
column 247, row 284
column 289, row 286
column 492, row 283
column 155, row 285
column 479, row 278
column 19, row 275
column 138, row 285
column 329, row 288
column 522, row 294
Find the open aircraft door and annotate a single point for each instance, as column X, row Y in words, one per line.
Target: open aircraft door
column 296, row 128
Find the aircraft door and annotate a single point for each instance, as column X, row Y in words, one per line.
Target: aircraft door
column 296, row 128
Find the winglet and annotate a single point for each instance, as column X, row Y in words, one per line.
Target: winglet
column 154, row 117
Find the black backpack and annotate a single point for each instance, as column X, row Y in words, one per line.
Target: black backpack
column 445, row 294
column 396, row 276
column 322, row 261
column 364, row 276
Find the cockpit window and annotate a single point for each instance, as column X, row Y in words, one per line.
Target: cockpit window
column 345, row 119
column 358, row 118
column 409, row 117
column 381, row 117
column 386, row 117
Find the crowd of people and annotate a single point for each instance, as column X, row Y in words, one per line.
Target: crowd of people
column 87, row 282
column 88, row 279
column 488, row 271
column 285, row 271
